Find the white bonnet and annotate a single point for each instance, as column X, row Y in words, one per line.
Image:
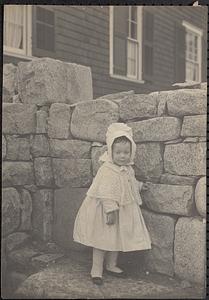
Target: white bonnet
column 114, row 131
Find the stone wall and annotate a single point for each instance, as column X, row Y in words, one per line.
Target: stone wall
column 53, row 134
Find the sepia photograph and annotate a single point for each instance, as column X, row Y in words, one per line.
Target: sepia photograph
column 104, row 121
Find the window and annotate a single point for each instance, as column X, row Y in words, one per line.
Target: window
column 45, row 28
column 193, row 53
column 17, row 29
column 126, row 42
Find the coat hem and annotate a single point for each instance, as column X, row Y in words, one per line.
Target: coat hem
column 115, row 249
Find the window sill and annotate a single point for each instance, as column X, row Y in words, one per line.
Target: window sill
column 27, row 57
column 126, row 78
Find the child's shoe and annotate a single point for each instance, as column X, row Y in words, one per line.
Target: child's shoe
column 121, row 274
column 97, row 280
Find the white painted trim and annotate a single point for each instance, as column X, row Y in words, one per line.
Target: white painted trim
column 29, row 30
column 140, row 30
column 139, row 39
column 111, row 39
column 199, row 33
column 192, row 28
column 18, row 55
column 126, row 78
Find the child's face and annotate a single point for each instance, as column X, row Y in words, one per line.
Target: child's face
column 121, row 153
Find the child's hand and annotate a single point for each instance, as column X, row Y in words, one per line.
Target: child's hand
column 111, row 218
column 145, row 186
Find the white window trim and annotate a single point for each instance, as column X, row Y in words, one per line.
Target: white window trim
column 199, row 32
column 139, row 38
column 27, row 37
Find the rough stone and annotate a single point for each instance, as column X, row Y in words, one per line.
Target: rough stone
column 45, row 108
column 39, row 145
column 41, row 117
column 59, row 121
column 176, row 141
column 91, row 119
column 9, row 82
column 10, row 210
column 200, row 196
column 16, row 240
column 185, row 159
column 203, row 85
column 156, row 129
column 202, row 139
column 4, row 147
column 138, row 106
column 45, row 80
column 31, row 188
column 194, row 126
column 191, row 140
column 186, row 102
column 45, row 260
column 69, row 148
column 17, row 173
column 69, row 279
column 177, row 180
column 15, row 279
column 4, row 278
column 72, row 172
column 67, row 202
column 189, row 249
column 16, row 99
column 173, row 199
column 148, row 161
column 187, row 85
column 21, row 258
column 161, row 229
column 42, row 216
column 96, row 152
column 6, row 96
column 43, row 171
column 26, row 210
column 162, row 106
column 117, row 97
column 18, row 118
column 18, row 148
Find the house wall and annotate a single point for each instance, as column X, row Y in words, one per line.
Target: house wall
column 82, row 36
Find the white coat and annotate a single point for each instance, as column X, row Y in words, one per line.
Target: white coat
column 114, row 188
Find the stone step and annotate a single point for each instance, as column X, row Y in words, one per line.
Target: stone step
column 69, row 278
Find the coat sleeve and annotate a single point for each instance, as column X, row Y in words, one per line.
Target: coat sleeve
column 106, row 188
column 140, row 184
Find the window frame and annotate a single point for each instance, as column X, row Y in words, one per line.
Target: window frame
column 139, row 40
column 199, row 33
column 26, row 52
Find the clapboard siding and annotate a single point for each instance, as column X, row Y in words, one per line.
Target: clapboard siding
column 82, row 36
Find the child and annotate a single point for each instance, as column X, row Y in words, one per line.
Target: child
column 110, row 219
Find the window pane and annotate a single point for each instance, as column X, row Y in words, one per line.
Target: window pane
column 134, row 31
column 132, row 68
column 44, row 15
column 45, row 37
column 121, row 20
column 132, row 58
column 134, row 13
column 192, row 73
column 13, row 26
column 119, row 56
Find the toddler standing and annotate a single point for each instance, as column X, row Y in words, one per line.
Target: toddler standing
column 110, row 219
